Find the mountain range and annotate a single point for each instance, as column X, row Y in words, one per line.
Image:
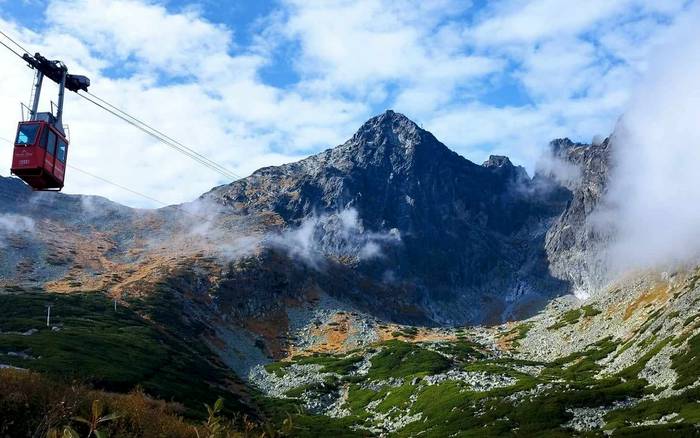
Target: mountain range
column 392, row 222
column 432, row 237
column 389, row 244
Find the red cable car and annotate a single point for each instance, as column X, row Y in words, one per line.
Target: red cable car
column 40, row 155
column 41, row 145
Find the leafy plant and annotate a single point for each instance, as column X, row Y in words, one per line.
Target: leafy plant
column 214, row 426
column 96, row 419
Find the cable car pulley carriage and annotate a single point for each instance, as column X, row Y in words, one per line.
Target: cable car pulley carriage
column 41, row 144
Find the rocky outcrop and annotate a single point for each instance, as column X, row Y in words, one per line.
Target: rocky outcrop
column 577, row 240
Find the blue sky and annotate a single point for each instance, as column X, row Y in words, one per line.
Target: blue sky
column 252, row 83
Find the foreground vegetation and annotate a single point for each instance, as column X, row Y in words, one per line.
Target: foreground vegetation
column 114, row 350
column 139, row 371
column 539, row 399
column 34, row 405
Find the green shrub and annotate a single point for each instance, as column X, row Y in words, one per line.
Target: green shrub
column 401, row 359
column 568, row 318
column 589, row 311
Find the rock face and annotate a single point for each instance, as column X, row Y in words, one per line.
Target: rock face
column 576, row 242
column 471, row 237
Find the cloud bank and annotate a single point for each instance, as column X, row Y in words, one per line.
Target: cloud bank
column 653, row 203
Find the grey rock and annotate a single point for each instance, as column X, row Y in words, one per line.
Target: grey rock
column 575, row 243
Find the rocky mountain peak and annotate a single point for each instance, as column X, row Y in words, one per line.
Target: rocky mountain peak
column 501, row 165
column 562, row 147
column 497, row 161
column 394, row 132
column 468, row 233
column 389, row 124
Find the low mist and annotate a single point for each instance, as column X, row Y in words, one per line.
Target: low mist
column 563, row 172
column 12, row 225
column 337, row 235
column 202, row 226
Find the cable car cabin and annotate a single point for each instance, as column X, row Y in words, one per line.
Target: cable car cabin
column 40, row 155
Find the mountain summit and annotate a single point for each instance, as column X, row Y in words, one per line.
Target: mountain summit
column 472, row 237
column 394, row 130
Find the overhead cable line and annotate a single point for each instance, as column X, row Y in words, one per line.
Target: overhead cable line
column 118, row 185
column 13, row 41
column 132, row 191
column 12, row 50
column 139, row 124
column 170, row 141
column 126, row 118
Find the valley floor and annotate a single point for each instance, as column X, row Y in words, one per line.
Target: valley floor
column 624, row 362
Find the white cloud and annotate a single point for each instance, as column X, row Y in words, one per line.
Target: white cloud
column 654, row 194
column 575, row 62
column 559, row 69
column 339, row 235
column 577, row 70
column 517, row 21
column 142, row 33
column 365, row 46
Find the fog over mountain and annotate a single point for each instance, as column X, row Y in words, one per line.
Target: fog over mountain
column 654, row 192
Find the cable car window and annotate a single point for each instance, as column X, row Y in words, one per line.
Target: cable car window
column 44, row 139
column 51, row 143
column 26, row 134
column 61, row 151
